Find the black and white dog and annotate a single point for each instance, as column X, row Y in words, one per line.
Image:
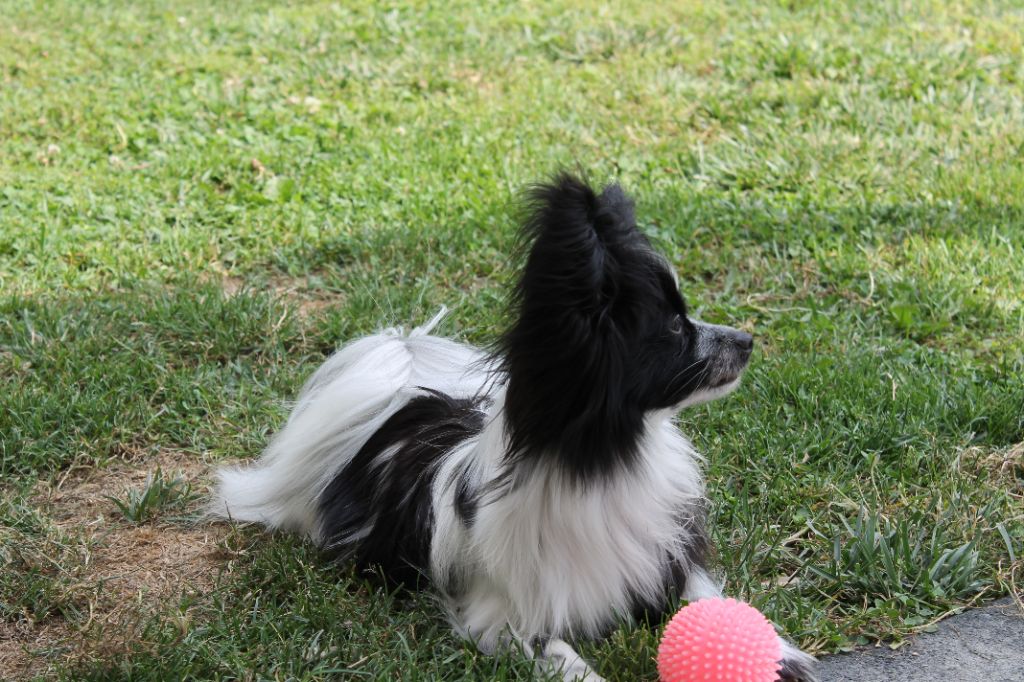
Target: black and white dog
column 543, row 490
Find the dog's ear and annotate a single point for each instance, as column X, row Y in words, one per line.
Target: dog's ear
column 581, row 245
column 567, row 351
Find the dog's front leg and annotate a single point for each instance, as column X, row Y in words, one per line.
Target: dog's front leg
column 796, row 665
column 551, row 655
column 558, row 657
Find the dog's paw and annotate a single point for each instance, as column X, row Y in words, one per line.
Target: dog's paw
column 796, row 665
column 564, row 660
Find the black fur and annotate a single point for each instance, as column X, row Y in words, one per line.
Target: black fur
column 465, row 499
column 797, row 671
column 600, row 337
column 396, row 496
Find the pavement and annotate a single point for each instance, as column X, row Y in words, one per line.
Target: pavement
column 984, row 644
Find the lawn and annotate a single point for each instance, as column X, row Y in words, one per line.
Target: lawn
column 200, row 200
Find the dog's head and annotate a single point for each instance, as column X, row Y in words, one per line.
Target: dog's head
column 601, row 335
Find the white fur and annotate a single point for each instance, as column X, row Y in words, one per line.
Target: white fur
column 520, row 562
column 547, row 557
column 345, row 401
column 544, row 557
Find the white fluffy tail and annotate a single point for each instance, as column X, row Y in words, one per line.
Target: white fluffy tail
column 341, row 405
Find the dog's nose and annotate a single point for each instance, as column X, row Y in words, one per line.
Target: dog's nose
column 743, row 341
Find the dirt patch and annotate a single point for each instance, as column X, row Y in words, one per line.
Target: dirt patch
column 28, row 651
column 126, row 572
column 1005, row 465
column 475, row 80
column 307, row 298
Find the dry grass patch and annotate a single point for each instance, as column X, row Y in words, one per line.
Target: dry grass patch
column 1003, row 465
column 303, row 294
column 114, row 573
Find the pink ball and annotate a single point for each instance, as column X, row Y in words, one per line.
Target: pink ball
column 719, row 640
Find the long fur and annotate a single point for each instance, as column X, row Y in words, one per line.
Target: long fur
column 543, row 490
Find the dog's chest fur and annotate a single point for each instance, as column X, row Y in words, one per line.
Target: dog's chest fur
column 563, row 558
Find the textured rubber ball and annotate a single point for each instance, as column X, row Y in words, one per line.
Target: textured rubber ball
column 719, row 640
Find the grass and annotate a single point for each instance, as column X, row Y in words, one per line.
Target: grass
column 198, row 203
column 139, row 505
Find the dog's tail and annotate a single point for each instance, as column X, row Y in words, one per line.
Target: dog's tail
column 345, row 401
column 339, row 408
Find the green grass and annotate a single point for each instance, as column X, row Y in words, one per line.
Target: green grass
column 198, row 202
column 159, row 493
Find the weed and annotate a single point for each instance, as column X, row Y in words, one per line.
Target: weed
column 158, row 494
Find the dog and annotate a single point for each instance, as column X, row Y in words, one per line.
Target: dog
column 542, row 488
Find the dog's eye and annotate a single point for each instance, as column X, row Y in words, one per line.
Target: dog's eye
column 676, row 326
